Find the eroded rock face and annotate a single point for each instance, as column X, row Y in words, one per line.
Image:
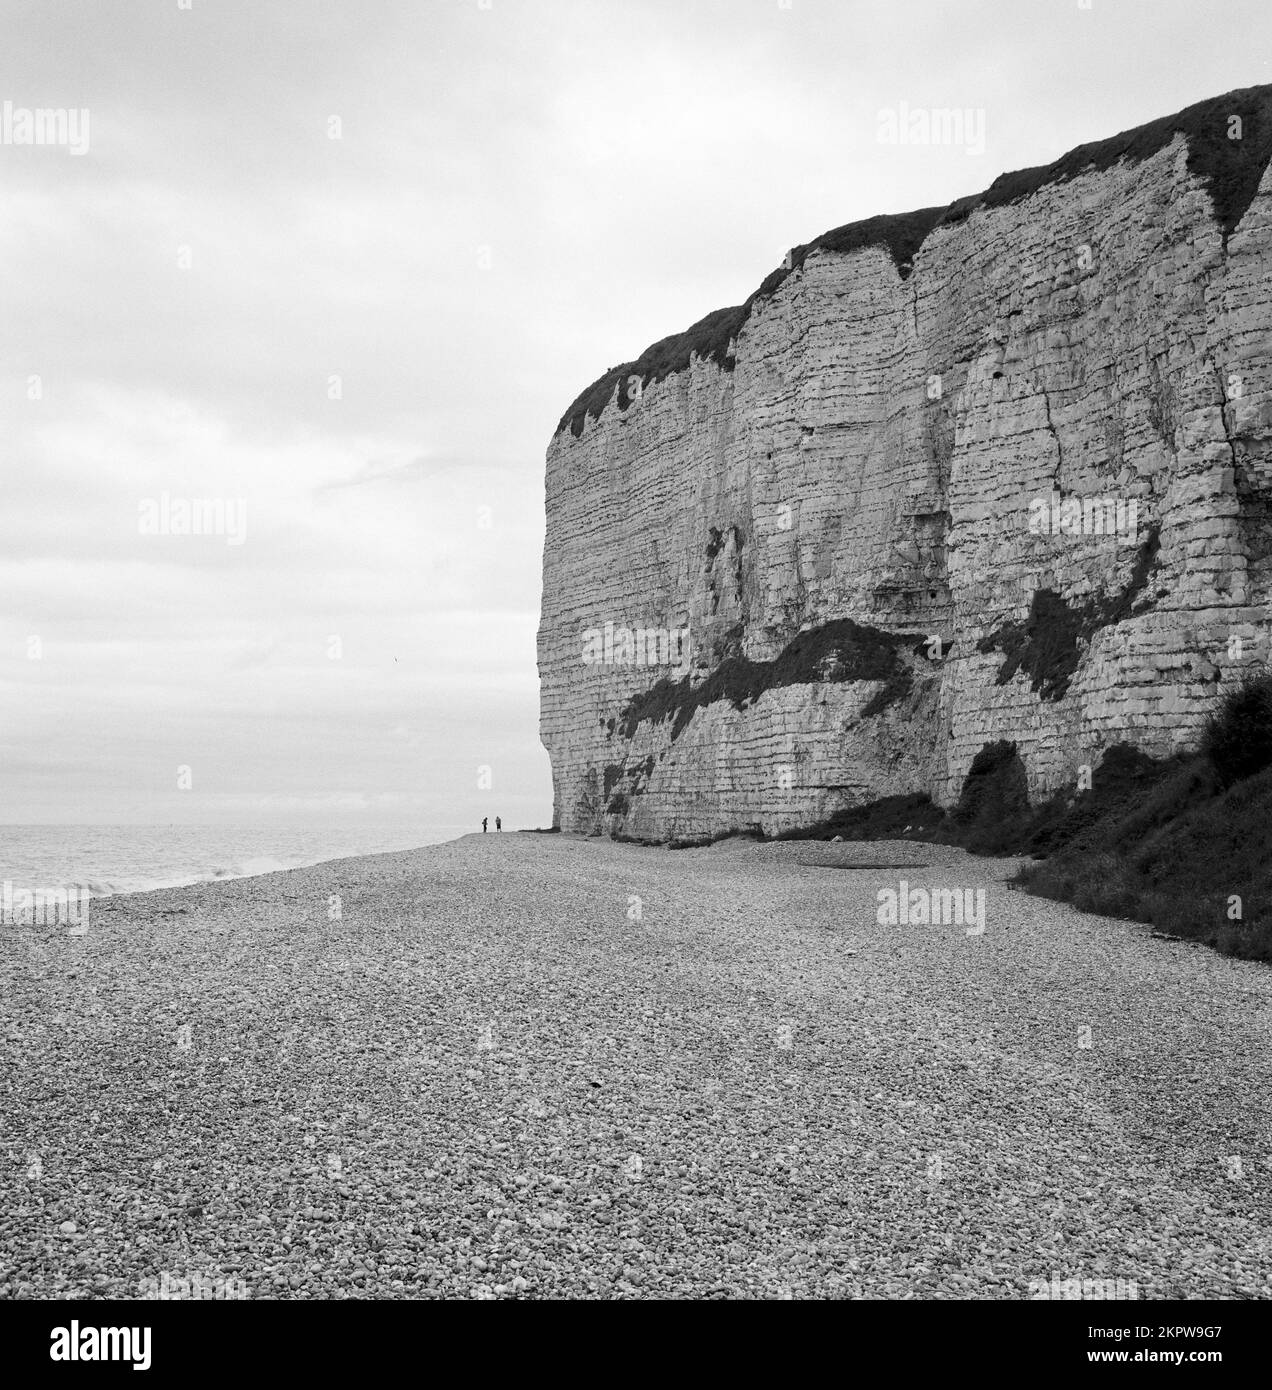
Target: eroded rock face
column 862, row 494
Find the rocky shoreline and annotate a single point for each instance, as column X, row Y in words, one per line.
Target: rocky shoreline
column 545, row 1066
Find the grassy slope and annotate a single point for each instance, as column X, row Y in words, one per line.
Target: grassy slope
column 1177, row 861
column 1157, row 842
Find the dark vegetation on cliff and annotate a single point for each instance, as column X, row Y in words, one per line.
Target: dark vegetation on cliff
column 1184, row 843
column 618, row 800
column 837, row 651
column 1048, row 645
column 1229, row 167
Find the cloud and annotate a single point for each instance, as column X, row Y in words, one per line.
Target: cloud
column 369, row 339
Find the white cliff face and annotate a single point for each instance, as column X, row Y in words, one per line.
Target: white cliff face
column 873, row 456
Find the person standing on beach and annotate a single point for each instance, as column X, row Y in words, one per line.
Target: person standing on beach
column 484, row 819
column 498, row 823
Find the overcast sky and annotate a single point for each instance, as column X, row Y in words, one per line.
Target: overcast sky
column 521, row 194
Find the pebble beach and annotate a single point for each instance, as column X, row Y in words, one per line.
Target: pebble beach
column 543, row 1066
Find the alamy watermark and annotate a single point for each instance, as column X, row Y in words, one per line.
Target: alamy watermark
column 44, row 907
column 932, row 907
column 617, row 645
column 193, row 1286
column 76, row 1343
column 904, row 124
column 193, row 516
column 1085, row 516
column 1058, row 1287
column 56, row 125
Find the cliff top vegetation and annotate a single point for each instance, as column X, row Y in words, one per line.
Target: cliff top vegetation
column 1229, row 145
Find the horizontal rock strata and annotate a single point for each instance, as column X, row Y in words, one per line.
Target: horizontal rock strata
column 1001, row 470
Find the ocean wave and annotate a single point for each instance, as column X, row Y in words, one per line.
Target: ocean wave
column 153, row 883
column 113, row 887
column 261, row 864
column 152, row 859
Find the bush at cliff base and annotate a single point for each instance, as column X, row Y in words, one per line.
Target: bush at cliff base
column 1238, row 739
column 1185, row 845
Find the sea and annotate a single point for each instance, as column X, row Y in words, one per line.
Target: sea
column 106, row 859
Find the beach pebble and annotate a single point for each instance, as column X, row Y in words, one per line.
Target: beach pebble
column 765, row 1094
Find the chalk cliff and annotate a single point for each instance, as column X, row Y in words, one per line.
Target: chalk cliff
column 857, row 492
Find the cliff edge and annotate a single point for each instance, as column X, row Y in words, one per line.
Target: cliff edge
column 995, row 471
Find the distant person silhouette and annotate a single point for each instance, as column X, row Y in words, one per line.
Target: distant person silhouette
column 484, row 819
column 498, row 823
